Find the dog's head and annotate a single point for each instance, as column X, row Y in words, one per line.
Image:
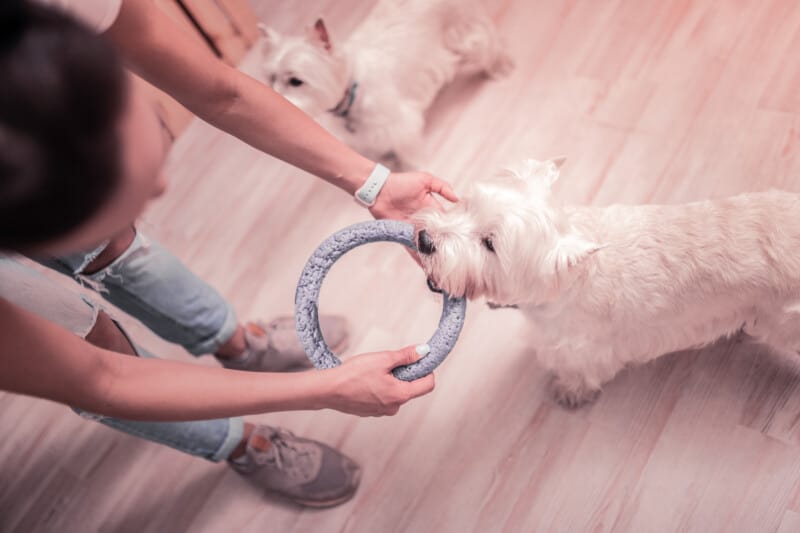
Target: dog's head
column 308, row 71
column 506, row 240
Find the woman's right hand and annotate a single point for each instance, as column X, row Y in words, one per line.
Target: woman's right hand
column 365, row 386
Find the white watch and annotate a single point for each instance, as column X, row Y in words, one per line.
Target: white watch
column 368, row 192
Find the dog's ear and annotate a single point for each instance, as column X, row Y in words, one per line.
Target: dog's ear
column 271, row 37
column 570, row 251
column 319, row 35
column 551, row 169
column 543, row 172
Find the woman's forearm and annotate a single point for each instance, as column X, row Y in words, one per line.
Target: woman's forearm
column 41, row 359
column 267, row 121
column 155, row 389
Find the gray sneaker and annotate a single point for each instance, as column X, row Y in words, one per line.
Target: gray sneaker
column 305, row 471
column 274, row 347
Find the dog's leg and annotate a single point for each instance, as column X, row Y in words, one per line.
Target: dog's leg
column 779, row 330
column 408, row 145
column 572, row 390
column 577, row 376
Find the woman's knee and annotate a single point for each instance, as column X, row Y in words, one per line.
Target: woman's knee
column 107, row 334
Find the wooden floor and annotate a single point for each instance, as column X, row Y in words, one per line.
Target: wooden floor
column 652, row 101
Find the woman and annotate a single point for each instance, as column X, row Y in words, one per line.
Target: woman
column 80, row 156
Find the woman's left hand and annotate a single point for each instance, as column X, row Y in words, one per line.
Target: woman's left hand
column 405, row 193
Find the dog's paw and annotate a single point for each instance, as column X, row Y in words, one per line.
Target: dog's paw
column 501, row 67
column 572, row 395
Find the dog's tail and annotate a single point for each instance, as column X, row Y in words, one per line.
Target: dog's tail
column 466, row 26
column 471, row 34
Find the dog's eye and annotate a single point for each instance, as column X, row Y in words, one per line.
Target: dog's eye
column 295, row 82
column 487, row 242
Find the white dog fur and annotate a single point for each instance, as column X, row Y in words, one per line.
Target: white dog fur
column 399, row 57
column 608, row 287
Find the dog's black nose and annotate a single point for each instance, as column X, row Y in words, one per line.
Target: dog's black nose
column 425, row 243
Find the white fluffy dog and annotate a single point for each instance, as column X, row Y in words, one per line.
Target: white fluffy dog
column 620, row 285
column 373, row 90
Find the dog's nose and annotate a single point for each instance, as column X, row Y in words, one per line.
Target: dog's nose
column 425, row 243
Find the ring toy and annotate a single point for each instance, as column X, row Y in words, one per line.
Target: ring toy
column 318, row 265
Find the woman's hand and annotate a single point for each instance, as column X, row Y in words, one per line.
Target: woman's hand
column 364, row 384
column 405, row 193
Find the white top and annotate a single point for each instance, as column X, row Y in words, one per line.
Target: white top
column 99, row 15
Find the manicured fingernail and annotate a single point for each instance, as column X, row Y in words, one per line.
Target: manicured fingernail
column 423, row 350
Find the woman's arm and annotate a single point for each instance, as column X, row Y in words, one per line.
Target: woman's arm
column 158, row 49
column 41, row 359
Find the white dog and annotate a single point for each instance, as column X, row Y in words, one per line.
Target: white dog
column 373, row 90
column 608, row 287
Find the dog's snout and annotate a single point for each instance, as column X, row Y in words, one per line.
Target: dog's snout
column 425, row 243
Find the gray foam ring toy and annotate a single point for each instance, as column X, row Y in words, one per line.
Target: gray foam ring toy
column 323, row 258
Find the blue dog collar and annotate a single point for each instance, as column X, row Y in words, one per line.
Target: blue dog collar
column 343, row 107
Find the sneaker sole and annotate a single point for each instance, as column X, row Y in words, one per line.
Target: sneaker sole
column 324, row 504
column 317, row 504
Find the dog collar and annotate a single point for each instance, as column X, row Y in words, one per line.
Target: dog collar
column 343, row 107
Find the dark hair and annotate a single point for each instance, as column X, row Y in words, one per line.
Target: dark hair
column 62, row 92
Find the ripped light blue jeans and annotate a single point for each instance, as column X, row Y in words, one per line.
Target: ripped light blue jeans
column 152, row 285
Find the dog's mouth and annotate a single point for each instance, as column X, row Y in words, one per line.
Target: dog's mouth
column 433, row 286
column 493, row 305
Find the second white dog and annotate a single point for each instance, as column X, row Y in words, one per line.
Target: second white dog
column 372, row 90
column 608, row 287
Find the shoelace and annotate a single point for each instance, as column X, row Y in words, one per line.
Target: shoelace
column 282, row 448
